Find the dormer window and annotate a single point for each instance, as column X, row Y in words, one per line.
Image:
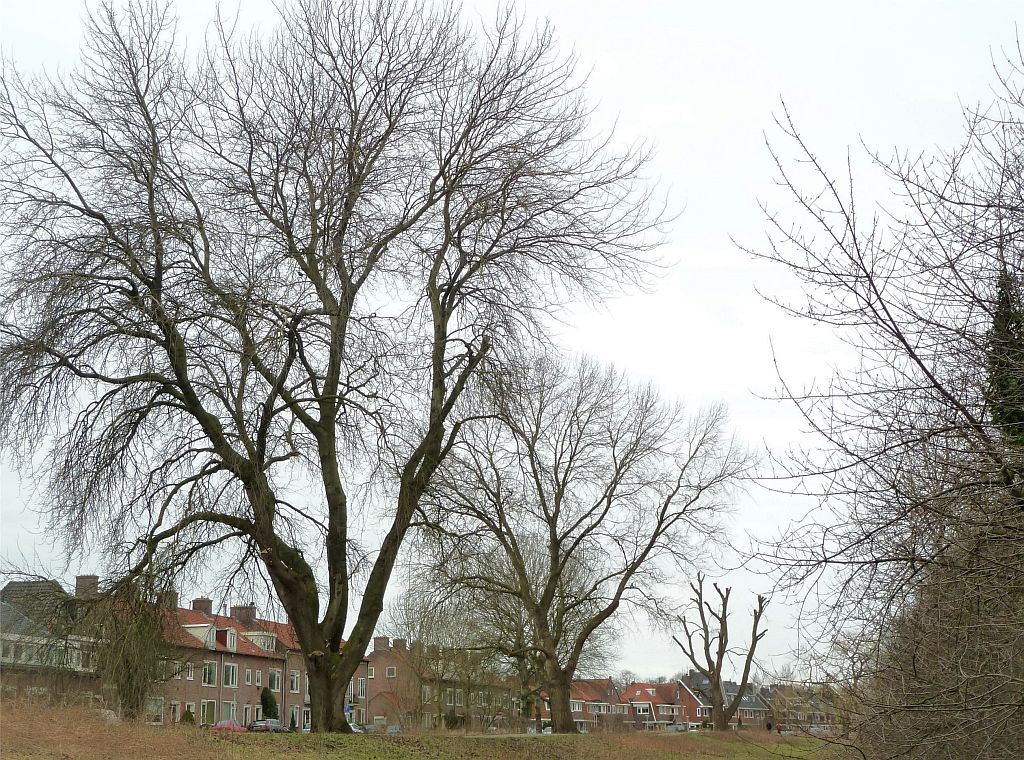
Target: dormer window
column 232, row 639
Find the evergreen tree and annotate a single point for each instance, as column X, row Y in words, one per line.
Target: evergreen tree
column 269, row 703
column 1006, row 362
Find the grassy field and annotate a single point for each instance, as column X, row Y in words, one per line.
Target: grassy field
column 31, row 731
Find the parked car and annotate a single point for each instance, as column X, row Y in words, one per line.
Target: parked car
column 227, row 725
column 268, row 725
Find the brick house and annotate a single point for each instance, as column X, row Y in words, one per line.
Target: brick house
column 230, row 659
column 660, row 705
column 429, row 687
column 596, row 706
column 217, row 665
column 752, row 712
column 36, row 661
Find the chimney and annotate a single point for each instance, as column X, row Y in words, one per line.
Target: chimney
column 245, row 614
column 87, row 586
column 380, row 642
column 204, row 605
column 400, row 644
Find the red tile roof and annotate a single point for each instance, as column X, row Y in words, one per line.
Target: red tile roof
column 664, row 693
column 593, row 690
column 187, row 617
column 285, row 632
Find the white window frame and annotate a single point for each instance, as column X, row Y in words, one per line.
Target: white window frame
column 232, row 682
column 202, row 712
column 149, row 705
column 228, row 710
column 232, row 640
column 293, row 681
column 271, row 677
column 391, row 672
column 259, row 677
column 212, row 681
column 369, row 671
column 248, row 676
column 190, row 707
column 458, row 698
column 190, row 672
column 361, row 693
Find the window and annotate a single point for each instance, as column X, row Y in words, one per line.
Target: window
column 379, row 720
column 481, row 699
column 369, row 671
column 246, row 715
column 390, row 672
column 209, row 714
column 362, row 715
column 175, row 712
column 258, row 712
column 351, row 688
column 178, row 667
column 209, row 673
column 293, row 717
column 362, row 688
column 190, row 707
column 227, row 711
column 248, row 676
column 274, row 679
column 232, row 640
column 426, row 693
column 259, row 677
column 155, row 711
column 576, row 706
column 231, row 675
column 190, row 671
column 458, row 697
column 642, row 709
column 293, row 681
column 449, row 695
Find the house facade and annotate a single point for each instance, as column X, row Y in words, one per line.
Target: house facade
column 660, row 705
column 418, row 686
column 752, row 712
column 596, row 706
column 216, row 666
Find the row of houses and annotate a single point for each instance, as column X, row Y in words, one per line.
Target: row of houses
column 216, row 666
column 219, row 663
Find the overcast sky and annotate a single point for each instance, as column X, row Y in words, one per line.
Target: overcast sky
column 700, row 81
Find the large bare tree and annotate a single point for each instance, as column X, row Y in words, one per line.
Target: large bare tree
column 917, row 545
column 706, row 644
column 237, row 287
column 572, row 497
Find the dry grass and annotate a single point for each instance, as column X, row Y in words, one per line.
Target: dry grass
column 37, row 732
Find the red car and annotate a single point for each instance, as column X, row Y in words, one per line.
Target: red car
column 228, row 725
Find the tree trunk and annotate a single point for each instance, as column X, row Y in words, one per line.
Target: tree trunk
column 326, row 692
column 561, row 709
column 719, row 718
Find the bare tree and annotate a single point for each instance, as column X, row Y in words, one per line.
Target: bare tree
column 711, row 653
column 237, row 289
column 571, row 497
column 920, row 473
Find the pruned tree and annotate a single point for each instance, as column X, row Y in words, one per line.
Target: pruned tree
column 237, row 288
column 707, row 646
column 919, row 469
column 569, row 498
